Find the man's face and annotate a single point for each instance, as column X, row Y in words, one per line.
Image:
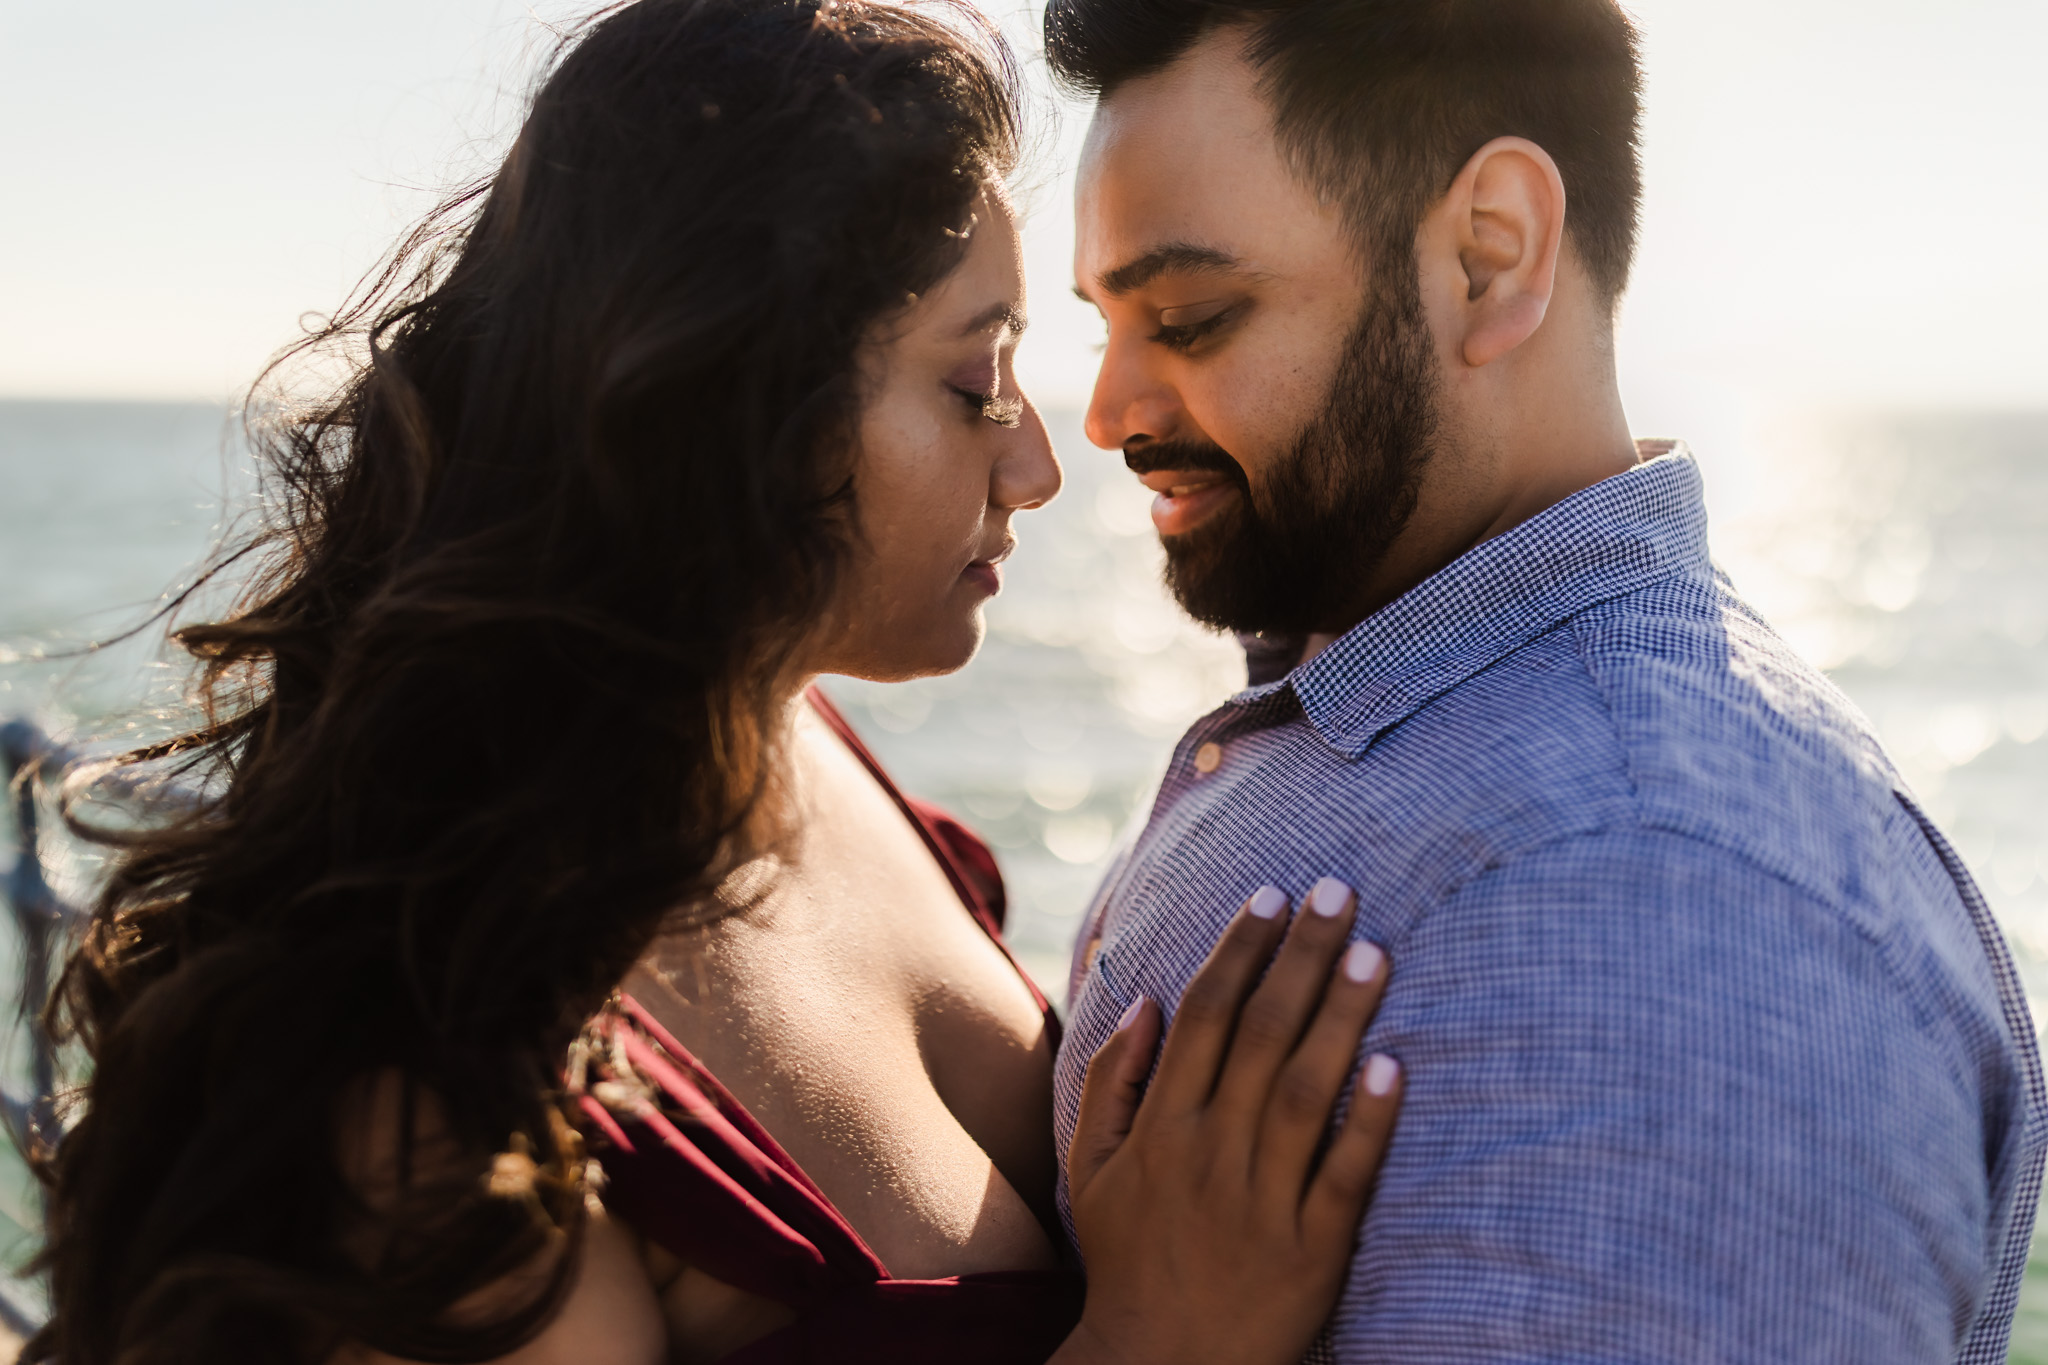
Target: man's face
column 1277, row 395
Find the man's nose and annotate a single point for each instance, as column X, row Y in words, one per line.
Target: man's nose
column 1130, row 405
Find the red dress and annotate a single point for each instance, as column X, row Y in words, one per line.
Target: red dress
column 693, row 1172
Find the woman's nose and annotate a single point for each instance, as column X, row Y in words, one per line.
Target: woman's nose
column 1028, row 474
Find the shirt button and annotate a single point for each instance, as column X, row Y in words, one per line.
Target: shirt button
column 1208, row 758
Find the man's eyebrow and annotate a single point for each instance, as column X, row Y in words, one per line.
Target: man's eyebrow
column 1013, row 321
column 1141, row 271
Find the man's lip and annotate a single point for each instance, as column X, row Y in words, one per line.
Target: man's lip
column 1180, row 482
column 1181, row 507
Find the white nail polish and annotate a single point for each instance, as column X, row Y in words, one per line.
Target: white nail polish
column 1130, row 1015
column 1362, row 962
column 1328, row 897
column 1267, row 902
column 1381, row 1071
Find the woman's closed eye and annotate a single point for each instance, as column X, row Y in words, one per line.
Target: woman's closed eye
column 1004, row 412
column 1182, row 327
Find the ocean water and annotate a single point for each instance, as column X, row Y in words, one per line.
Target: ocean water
column 1907, row 555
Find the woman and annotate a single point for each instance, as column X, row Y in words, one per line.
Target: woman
column 532, row 889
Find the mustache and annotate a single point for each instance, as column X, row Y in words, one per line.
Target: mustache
column 1155, row 455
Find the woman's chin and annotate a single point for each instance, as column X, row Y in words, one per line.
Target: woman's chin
column 946, row 648
column 954, row 649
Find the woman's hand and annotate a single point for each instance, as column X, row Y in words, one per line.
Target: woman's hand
column 1215, row 1225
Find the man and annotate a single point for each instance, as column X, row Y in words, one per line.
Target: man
column 1712, row 1050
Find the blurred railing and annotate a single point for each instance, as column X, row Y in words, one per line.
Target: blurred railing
column 42, row 922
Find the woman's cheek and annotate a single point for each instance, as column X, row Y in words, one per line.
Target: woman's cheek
column 947, row 502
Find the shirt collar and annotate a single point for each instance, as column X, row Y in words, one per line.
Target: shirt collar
column 1600, row 543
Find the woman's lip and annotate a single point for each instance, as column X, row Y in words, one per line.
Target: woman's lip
column 1186, row 503
column 985, row 575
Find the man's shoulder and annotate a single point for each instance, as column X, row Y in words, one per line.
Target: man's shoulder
column 1676, row 713
column 1671, row 708
column 1729, row 738
column 1739, row 753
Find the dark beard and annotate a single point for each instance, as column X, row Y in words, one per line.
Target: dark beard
column 1294, row 557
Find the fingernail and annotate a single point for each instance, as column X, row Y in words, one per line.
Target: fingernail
column 1381, row 1071
column 1362, row 961
column 1267, row 902
column 1130, row 1016
column 1328, row 897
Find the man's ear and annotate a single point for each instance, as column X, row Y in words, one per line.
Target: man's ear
column 1503, row 221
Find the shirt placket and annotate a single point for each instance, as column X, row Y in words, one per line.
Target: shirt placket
column 1200, row 755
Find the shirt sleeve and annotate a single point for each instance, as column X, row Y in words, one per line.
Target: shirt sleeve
column 1662, row 1106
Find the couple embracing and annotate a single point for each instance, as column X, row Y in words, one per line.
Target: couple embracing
column 1537, row 961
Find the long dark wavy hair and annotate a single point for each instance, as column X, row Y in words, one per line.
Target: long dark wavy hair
column 503, row 694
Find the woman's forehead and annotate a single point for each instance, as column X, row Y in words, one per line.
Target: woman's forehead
column 984, row 294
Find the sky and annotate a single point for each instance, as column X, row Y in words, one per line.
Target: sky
column 1846, row 200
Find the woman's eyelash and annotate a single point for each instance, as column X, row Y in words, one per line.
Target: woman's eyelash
column 1186, row 334
column 1004, row 412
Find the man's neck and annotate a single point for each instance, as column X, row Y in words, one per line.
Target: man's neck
column 1469, row 501
column 1318, row 641
column 1546, row 482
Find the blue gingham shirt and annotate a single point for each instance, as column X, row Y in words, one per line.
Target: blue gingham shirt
column 1713, row 1050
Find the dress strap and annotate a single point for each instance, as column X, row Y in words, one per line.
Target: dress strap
column 703, row 1178
column 694, row 1172
column 975, row 879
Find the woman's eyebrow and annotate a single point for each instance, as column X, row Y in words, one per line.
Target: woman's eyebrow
column 1013, row 321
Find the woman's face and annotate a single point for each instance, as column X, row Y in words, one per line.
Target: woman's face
column 947, row 450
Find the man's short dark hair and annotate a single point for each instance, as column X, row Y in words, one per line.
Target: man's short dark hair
column 1379, row 103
